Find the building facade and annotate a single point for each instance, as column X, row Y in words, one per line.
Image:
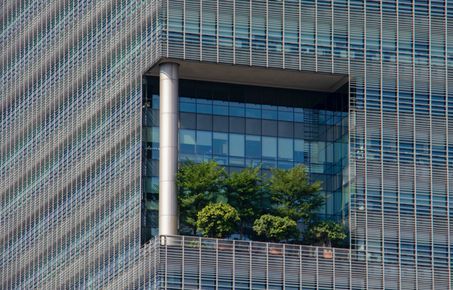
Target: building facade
column 79, row 150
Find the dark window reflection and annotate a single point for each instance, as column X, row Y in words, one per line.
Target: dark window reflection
column 188, row 120
column 285, row 129
column 269, row 128
column 237, row 125
column 220, row 123
column 253, row 126
column 204, row 122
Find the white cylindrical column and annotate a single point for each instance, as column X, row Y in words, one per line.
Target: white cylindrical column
column 168, row 149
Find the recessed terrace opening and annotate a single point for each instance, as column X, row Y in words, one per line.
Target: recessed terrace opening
column 242, row 116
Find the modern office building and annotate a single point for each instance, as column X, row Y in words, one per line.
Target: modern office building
column 99, row 100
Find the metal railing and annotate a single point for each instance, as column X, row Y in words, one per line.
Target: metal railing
column 204, row 263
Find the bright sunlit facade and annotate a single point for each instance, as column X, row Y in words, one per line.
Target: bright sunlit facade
column 80, row 102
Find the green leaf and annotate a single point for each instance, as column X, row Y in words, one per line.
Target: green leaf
column 326, row 233
column 275, row 228
column 217, row 220
column 293, row 193
column 245, row 192
column 199, row 184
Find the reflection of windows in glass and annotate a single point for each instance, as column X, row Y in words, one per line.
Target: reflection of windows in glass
column 340, row 150
column 299, row 151
column 220, row 144
column 155, row 118
column 148, row 118
column 155, row 169
column 269, row 147
column 253, row 146
column 150, row 184
column 314, row 152
column 155, row 135
column 317, row 157
column 285, row 149
column 154, row 142
column 147, row 134
column 237, row 145
column 156, row 102
column 147, row 166
column 204, row 142
column 329, row 152
column 187, row 141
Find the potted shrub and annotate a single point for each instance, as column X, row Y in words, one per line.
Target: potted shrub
column 326, row 233
column 275, row 229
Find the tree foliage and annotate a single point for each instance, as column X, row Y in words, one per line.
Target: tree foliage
column 199, row 184
column 217, row 220
column 217, row 204
column 244, row 192
column 275, row 228
column 326, row 233
column 293, row 193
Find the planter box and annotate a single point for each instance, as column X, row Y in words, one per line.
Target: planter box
column 327, row 254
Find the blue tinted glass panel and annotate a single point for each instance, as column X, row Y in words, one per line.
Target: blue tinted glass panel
column 220, row 144
column 187, row 141
column 285, row 149
column 237, row 145
column 299, row 151
column 269, row 146
column 204, row 143
column 253, row 146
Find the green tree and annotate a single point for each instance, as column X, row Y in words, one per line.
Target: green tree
column 217, row 220
column 294, row 195
column 199, row 184
column 326, row 233
column 275, row 228
column 244, row 192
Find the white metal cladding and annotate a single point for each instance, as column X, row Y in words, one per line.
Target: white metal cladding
column 70, row 105
column 201, row 263
column 70, row 145
column 181, row 262
column 398, row 57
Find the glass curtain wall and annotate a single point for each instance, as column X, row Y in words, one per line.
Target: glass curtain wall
column 237, row 129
